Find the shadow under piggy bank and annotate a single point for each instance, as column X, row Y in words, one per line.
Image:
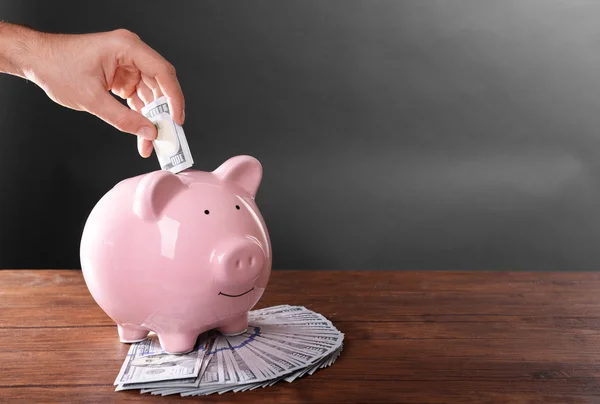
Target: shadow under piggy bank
column 179, row 254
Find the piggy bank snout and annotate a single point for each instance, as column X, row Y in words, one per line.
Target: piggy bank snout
column 238, row 260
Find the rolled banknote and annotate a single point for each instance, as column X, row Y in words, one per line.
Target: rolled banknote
column 170, row 145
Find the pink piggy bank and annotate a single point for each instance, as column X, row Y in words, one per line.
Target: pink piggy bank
column 179, row 254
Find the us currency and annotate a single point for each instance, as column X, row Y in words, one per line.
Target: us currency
column 147, row 362
column 282, row 343
column 243, row 370
column 170, row 145
column 205, row 347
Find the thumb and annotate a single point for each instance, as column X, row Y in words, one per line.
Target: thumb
column 121, row 117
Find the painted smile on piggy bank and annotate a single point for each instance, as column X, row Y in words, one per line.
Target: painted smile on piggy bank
column 241, row 294
column 179, row 254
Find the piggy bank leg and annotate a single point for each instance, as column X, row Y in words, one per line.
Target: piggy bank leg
column 177, row 343
column 234, row 326
column 129, row 334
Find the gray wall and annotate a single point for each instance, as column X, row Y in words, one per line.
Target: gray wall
column 421, row 134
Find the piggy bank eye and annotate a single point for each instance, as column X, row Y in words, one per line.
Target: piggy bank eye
column 206, row 212
column 237, row 207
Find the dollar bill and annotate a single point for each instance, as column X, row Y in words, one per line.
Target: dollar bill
column 242, row 368
column 205, row 344
column 147, row 362
column 170, row 145
column 282, row 343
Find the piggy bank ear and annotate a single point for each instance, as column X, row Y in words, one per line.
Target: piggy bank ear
column 245, row 171
column 153, row 193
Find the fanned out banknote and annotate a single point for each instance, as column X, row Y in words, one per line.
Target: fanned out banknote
column 282, row 343
column 170, row 145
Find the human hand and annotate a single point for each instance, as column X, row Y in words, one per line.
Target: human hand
column 78, row 71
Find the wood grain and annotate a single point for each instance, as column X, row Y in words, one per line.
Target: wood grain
column 411, row 337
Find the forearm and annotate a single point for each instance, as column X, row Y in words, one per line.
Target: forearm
column 16, row 49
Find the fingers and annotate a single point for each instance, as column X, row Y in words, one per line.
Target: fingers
column 151, row 83
column 155, row 66
column 148, row 90
column 135, row 102
column 170, row 87
column 145, row 94
column 118, row 115
column 124, row 80
column 144, row 146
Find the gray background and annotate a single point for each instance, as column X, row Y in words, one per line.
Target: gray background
column 398, row 135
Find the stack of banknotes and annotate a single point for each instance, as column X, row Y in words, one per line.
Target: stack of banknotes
column 282, row 343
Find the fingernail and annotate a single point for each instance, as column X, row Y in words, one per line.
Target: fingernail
column 182, row 116
column 146, row 132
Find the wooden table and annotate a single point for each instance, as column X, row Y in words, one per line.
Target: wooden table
column 426, row 337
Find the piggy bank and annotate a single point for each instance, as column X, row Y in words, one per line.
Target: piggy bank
column 179, row 254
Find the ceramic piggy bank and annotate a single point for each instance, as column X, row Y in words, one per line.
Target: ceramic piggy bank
column 179, row 254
